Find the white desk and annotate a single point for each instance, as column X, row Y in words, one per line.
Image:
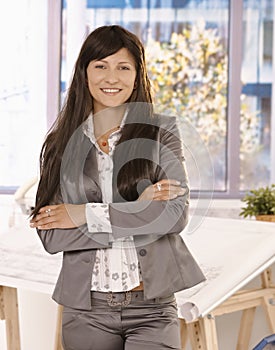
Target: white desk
column 23, row 265
column 24, row 262
column 231, row 253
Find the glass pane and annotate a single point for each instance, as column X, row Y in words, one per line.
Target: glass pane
column 256, row 97
column 187, row 54
column 22, row 89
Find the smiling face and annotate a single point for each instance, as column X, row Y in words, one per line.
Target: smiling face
column 111, row 80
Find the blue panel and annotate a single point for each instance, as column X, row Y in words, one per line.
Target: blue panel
column 145, row 3
column 180, row 3
column 257, row 89
column 138, row 3
column 106, row 4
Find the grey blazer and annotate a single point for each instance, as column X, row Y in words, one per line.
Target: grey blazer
column 166, row 264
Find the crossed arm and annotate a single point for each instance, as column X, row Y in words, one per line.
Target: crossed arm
column 161, row 208
column 63, row 216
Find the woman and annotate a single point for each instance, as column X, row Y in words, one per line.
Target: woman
column 113, row 196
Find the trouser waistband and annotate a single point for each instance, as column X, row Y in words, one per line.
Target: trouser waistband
column 129, row 297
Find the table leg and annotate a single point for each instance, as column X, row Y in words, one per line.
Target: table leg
column 270, row 312
column 183, row 333
column 195, row 336
column 266, row 277
column 9, row 312
column 246, row 328
column 209, row 332
column 2, row 314
column 58, row 342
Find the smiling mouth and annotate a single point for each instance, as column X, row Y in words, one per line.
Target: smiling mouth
column 111, row 91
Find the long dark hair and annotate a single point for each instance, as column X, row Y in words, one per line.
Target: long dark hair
column 102, row 42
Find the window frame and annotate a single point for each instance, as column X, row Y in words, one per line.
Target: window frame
column 54, row 59
column 233, row 102
column 272, row 128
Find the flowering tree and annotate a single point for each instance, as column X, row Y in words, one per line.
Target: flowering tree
column 189, row 78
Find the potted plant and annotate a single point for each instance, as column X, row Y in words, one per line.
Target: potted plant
column 260, row 203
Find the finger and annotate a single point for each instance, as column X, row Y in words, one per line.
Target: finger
column 166, row 183
column 48, row 226
column 169, row 182
column 48, row 211
column 43, row 216
column 46, row 214
column 48, row 208
column 42, row 221
column 170, row 194
column 165, row 197
column 170, row 189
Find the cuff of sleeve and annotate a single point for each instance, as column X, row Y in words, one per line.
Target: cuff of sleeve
column 98, row 218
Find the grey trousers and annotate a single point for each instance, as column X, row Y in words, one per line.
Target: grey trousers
column 141, row 325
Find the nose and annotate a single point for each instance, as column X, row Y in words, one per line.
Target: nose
column 111, row 76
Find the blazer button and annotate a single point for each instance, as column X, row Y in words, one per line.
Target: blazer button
column 142, row 252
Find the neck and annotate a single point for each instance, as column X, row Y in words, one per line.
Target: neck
column 108, row 119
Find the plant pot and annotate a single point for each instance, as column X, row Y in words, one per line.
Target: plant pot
column 270, row 218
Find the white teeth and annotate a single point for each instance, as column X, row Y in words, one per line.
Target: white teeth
column 110, row 90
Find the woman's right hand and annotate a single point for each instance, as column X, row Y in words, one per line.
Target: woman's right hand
column 163, row 190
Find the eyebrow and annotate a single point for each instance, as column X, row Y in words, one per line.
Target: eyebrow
column 122, row 62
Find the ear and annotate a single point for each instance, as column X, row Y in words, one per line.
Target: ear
column 135, row 85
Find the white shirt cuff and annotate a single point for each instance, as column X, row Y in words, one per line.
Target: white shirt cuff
column 98, row 218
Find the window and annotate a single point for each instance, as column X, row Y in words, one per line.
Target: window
column 224, row 71
column 23, row 65
column 256, row 76
column 210, row 61
column 187, row 57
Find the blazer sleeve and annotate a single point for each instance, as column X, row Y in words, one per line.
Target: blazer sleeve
column 157, row 217
column 79, row 238
column 58, row 240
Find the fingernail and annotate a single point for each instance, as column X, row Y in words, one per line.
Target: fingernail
column 31, row 224
column 177, row 182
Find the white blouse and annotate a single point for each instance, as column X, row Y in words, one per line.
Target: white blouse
column 116, row 269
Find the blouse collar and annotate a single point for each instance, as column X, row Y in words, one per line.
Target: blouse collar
column 88, row 126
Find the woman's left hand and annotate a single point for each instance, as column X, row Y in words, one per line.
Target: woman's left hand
column 163, row 190
column 59, row 216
